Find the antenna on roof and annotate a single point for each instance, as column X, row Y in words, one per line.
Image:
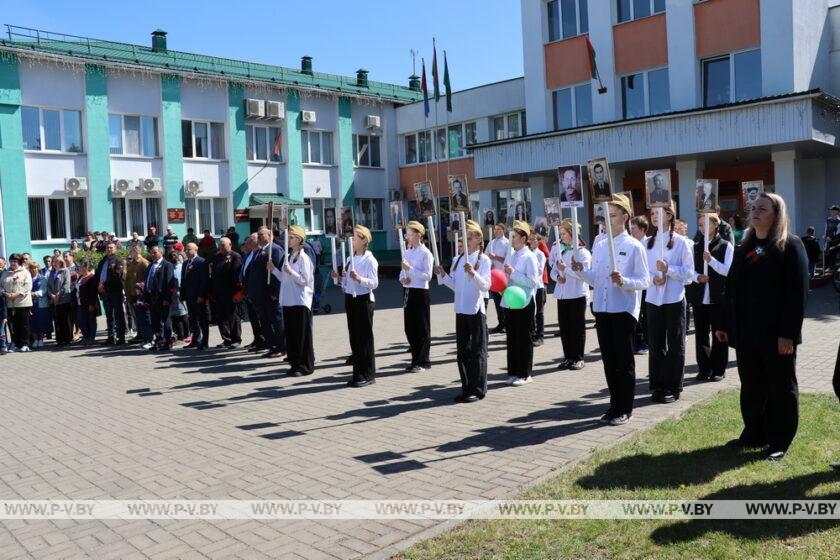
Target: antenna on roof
column 413, row 61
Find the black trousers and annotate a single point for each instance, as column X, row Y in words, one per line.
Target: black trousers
column 19, row 325
column 640, row 339
column 227, row 318
column 114, row 303
column 769, row 394
column 161, row 322
column 712, row 354
column 615, row 337
column 63, row 324
column 471, row 336
column 538, row 330
column 300, row 352
column 666, row 339
column 520, row 345
column 500, row 311
column 271, row 322
column 417, row 323
column 571, row 314
column 199, row 323
column 836, row 380
column 256, row 326
column 360, row 325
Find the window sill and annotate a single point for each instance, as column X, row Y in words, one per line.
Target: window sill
column 638, row 19
column 135, row 157
column 204, row 160
column 50, row 241
column 368, row 167
column 54, row 153
column 319, row 165
column 468, row 156
column 566, row 38
column 261, row 162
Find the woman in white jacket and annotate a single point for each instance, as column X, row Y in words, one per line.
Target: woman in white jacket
column 572, row 294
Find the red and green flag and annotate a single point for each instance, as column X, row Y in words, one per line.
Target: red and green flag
column 425, row 91
column 435, row 72
column 446, row 84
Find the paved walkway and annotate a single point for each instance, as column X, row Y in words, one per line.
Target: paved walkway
column 125, row 424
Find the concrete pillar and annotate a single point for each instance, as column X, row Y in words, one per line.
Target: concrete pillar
column 688, row 171
column 786, row 172
column 535, row 35
column 605, row 106
column 684, row 85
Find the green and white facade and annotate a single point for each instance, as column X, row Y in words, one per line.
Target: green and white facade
column 157, row 137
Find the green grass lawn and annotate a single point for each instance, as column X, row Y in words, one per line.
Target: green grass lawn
column 682, row 458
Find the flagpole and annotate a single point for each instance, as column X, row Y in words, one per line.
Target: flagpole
column 446, row 135
column 434, row 138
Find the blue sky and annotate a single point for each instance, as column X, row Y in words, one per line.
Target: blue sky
column 483, row 38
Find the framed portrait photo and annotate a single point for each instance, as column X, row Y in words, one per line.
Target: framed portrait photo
column 706, row 196
column 345, row 222
column 459, row 195
column 423, row 196
column 397, row 217
column 488, row 217
column 658, row 188
column 750, row 191
column 330, row 224
column 599, row 179
column 570, row 186
column 552, row 211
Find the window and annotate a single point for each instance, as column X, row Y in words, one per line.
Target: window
column 410, row 149
column 263, row 143
column 567, row 18
column 507, row 126
column 313, row 215
column 135, row 214
column 366, row 150
column 635, row 102
column 55, row 130
column 205, row 140
column 49, row 218
column 456, row 141
column 637, row 9
column 207, row 213
column 720, row 73
column 369, row 213
column 316, row 146
column 440, row 143
column 573, row 107
column 470, row 134
column 133, row 135
column 424, row 138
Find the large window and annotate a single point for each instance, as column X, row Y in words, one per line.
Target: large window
column 573, row 107
column 207, row 214
column 743, row 69
column 54, row 130
column 567, row 18
column 135, row 214
column 645, row 93
column 410, row 149
column 57, row 218
column 366, row 151
column 636, row 9
column 263, row 143
column 316, row 146
column 424, row 138
column 369, row 213
column 507, row 126
column 203, row 140
column 313, row 215
column 449, row 143
column 133, row 135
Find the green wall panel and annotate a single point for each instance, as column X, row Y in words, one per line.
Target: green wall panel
column 345, row 152
column 294, row 158
column 238, row 163
column 173, row 156
column 12, row 169
column 98, row 148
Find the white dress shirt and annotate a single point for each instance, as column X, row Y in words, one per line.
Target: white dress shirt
column 680, row 261
column 631, row 262
column 469, row 290
column 573, row 287
column 498, row 248
column 540, row 267
column 297, row 286
column 421, row 260
column 367, row 267
column 525, row 270
column 721, row 268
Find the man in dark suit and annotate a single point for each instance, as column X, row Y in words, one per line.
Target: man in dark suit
column 224, row 283
column 425, row 203
column 659, row 194
column 459, row 199
column 195, row 280
column 157, row 290
column 705, row 197
column 264, row 291
column 250, row 248
column 110, row 273
column 600, row 181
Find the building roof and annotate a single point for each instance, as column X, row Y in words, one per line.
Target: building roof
column 27, row 40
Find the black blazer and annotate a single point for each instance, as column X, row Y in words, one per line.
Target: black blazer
column 224, row 277
column 257, row 287
column 766, row 293
column 116, row 273
column 162, row 284
column 195, row 279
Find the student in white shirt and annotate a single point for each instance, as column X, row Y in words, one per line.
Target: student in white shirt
column 358, row 286
column 616, row 302
column 538, row 331
column 571, row 294
column 415, row 275
column 497, row 250
column 639, row 227
column 707, row 297
column 671, row 267
column 470, row 278
column 522, row 270
column 297, row 284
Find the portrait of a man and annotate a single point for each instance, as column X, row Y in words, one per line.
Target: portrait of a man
column 541, row 226
column 658, row 188
column 345, row 226
column 458, row 194
column 423, row 195
column 329, row 221
column 599, row 180
column 397, row 215
column 751, row 190
column 552, row 211
column 706, row 195
column 570, row 186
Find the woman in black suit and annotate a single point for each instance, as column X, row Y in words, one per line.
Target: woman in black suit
column 766, row 292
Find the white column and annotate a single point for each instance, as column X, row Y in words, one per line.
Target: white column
column 683, row 69
column 604, row 106
column 688, row 171
column 786, row 173
column 534, row 36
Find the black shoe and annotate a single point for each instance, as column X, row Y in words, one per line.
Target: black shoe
column 466, row 398
column 776, row 455
column 363, row 383
column 497, row 329
column 738, row 443
column 564, row 365
column 720, row 377
column 578, row 365
column 668, row 398
column 658, row 397
column 538, row 342
column 233, row 345
column 620, row 419
column 703, row 376
column 223, row 345
column 294, row 373
column 108, row 342
column 348, row 361
column 120, row 341
column 201, row 347
column 190, row 346
column 415, row 369
column 606, row 417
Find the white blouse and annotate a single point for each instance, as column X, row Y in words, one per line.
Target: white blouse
column 421, row 261
column 573, row 287
column 469, row 290
column 680, row 261
column 525, row 272
column 297, row 286
column 367, row 267
column 498, row 248
column 541, row 260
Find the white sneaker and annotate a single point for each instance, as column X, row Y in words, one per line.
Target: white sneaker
column 147, row 346
column 24, row 348
column 511, row 380
column 520, row 382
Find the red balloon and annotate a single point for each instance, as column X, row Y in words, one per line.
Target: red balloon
column 498, row 280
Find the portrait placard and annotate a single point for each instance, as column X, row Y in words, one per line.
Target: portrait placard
column 552, row 211
column 750, row 191
column 459, row 195
column 706, row 196
column 658, row 188
column 570, row 185
column 599, row 180
column 423, row 196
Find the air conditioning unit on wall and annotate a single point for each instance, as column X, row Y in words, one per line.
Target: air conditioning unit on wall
column 123, row 186
column 192, row 188
column 308, row 117
column 373, row 121
column 275, row 110
column 76, row 186
column 150, row 185
column 255, row 108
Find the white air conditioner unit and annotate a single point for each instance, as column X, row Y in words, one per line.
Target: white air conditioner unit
column 122, row 186
column 373, row 121
column 275, row 110
column 255, row 108
column 192, row 187
column 307, row 117
column 76, row 185
column 150, row 185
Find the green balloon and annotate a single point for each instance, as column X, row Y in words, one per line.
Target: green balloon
column 514, row 297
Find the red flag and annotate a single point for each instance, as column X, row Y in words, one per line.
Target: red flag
column 435, row 72
column 277, row 144
column 593, row 68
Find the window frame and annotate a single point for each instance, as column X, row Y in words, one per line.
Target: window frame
column 309, row 210
column 578, row 20
column 632, row 4
column 464, row 153
column 646, row 83
column 573, row 89
column 129, row 224
column 306, row 156
column 155, row 132
column 269, row 143
column 210, row 147
column 356, row 162
column 61, row 132
column 48, row 219
column 196, row 224
column 520, row 116
column 357, row 208
column 730, row 56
